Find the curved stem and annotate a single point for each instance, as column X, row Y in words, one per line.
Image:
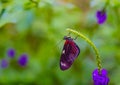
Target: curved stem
column 91, row 44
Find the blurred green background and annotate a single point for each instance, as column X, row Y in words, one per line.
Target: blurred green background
column 37, row 27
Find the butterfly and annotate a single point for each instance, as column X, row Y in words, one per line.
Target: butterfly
column 69, row 53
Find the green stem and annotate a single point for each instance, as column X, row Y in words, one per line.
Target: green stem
column 2, row 12
column 106, row 4
column 91, row 44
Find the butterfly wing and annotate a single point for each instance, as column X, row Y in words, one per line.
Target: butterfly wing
column 69, row 53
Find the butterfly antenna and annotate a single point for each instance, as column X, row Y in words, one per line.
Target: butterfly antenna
column 68, row 33
column 75, row 37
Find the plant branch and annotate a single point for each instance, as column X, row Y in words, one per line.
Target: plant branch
column 98, row 59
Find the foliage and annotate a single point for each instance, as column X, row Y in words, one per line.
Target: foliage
column 37, row 27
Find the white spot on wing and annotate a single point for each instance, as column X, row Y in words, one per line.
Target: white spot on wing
column 63, row 52
column 63, row 64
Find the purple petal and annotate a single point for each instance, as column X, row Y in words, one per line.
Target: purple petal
column 11, row 53
column 101, row 16
column 23, row 59
column 4, row 63
column 100, row 79
column 104, row 72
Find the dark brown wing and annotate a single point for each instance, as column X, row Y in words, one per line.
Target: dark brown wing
column 69, row 53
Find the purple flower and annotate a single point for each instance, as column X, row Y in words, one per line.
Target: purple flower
column 11, row 53
column 4, row 63
column 100, row 79
column 101, row 16
column 23, row 59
